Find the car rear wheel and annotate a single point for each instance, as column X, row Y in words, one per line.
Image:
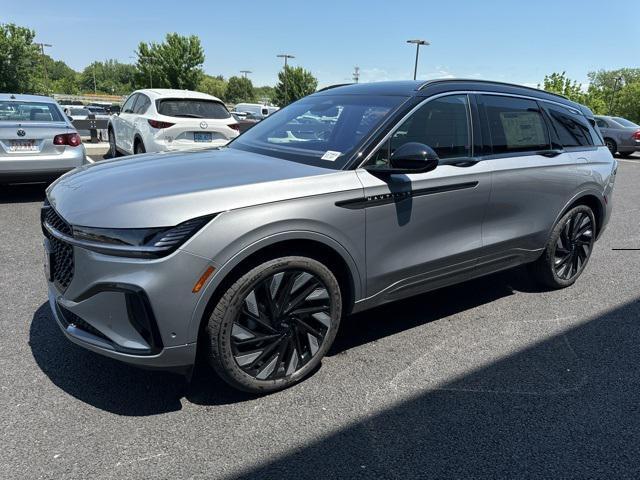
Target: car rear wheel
column 569, row 249
column 139, row 147
column 611, row 145
column 272, row 327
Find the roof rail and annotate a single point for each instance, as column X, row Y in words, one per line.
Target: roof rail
column 475, row 80
column 334, row 86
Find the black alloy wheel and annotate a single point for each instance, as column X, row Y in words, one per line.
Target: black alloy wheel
column 573, row 246
column 282, row 325
column 274, row 324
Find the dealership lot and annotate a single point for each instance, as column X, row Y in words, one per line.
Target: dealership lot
column 489, row 378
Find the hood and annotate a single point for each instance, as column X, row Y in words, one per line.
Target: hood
column 157, row 190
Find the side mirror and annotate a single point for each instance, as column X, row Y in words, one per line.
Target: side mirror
column 412, row 157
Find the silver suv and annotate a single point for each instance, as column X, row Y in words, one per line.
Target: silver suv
column 350, row 198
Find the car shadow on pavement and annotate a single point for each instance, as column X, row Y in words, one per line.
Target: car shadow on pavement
column 24, row 193
column 395, row 317
column 564, row 407
column 126, row 390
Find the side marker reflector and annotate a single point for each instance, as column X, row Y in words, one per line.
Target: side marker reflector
column 203, row 279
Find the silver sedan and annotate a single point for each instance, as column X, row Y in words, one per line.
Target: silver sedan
column 37, row 140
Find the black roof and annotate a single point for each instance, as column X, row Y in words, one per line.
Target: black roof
column 411, row 88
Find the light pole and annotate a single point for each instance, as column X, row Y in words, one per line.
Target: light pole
column 44, row 64
column 356, row 74
column 245, row 73
column 613, row 94
column 286, row 56
column 418, row 43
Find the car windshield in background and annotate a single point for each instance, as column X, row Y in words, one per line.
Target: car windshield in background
column 192, row 108
column 18, row 111
column 624, row 122
column 97, row 110
column 78, row 112
column 318, row 130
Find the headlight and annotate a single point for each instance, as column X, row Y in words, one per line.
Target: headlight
column 138, row 242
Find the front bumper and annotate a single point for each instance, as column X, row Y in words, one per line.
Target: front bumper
column 137, row 311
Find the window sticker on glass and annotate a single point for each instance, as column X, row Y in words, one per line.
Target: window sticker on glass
column 330, row 155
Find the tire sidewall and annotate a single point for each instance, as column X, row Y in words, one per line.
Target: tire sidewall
column 113, row 149
column 219, row 330
column 554, row 239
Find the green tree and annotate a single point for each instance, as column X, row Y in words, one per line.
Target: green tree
column 265, row 94
column 111, row 77
column 19, row 59
column 561, row 84
column 239, row 89
column 174, row 63
column 216, row 86
column 299, row 83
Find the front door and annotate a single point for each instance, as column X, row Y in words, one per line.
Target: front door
column 425, row 229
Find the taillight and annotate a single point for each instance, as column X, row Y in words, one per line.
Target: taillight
column 71, row 139
column 158, row 124
column 636, row 135
column 234, row 126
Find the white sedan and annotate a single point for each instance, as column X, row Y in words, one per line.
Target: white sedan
column 160, row 120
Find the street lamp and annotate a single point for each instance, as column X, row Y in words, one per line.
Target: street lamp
column 613, row 94
column 286, row 56
column 44, row 64
column 245, row 73
column 418, row 43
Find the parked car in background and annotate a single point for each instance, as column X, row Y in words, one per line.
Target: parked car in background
column 258, row 110
column 245, row 121
column 254, row 252
column 620, row 135
column 158, row 120
column 37, row 140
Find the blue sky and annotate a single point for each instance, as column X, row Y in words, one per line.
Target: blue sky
column 515, row 41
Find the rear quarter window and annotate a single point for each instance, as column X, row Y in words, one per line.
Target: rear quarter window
column 571, row 129
column 192, row 108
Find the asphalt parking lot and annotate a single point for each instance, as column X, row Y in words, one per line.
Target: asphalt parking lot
column 492, row 378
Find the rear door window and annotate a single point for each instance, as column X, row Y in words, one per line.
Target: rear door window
column 142, row 104
column 515, row 125
column 192, row 108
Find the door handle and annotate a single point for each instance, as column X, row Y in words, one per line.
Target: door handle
column 550, row 153
column 463, row 162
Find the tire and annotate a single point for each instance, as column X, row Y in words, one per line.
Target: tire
column 611, row 145
column 259, row 351
column 568, row 250
column 113, row 149
column 139, row 148
column 627, row 154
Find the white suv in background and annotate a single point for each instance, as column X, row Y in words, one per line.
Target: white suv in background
column 158, row 120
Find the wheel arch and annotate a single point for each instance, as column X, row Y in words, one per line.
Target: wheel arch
column 310, row 244
column 592, row 200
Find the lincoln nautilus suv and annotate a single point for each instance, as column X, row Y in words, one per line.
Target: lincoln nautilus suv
column 347, row 199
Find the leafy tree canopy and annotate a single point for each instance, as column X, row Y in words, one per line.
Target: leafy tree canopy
column 299, row 83
column 240, row 89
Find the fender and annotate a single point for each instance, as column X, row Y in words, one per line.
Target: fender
column 223, row 270
column 583, row 193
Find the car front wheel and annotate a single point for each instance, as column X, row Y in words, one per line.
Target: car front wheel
column 272, row 327
column 113, row 149
column 569, row 249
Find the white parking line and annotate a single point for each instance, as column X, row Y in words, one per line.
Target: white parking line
column 637, row 162
column 90, row 160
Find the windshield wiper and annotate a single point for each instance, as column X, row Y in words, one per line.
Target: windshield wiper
column 188, row 115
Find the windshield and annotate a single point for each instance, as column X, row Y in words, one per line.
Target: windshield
column 318, row 130
column 624, row 122
column 17, row 111
column 78, row 111
column 192, row 108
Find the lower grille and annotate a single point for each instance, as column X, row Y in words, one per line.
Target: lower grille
column 70, row 318
column 63, row 266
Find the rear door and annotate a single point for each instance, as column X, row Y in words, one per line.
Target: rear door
column 425, row 228
column 532, row 178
